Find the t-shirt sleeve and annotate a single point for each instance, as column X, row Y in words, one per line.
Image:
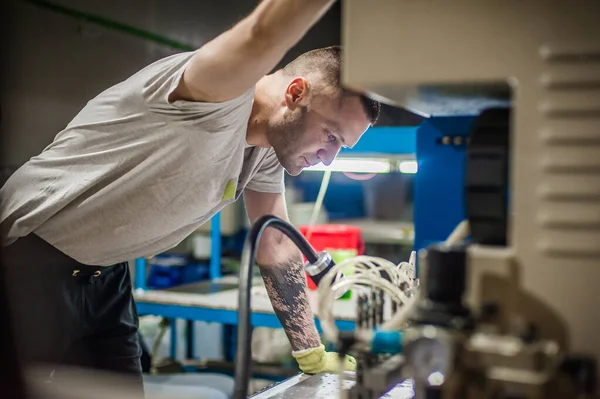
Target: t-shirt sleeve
column 269, row 177
column 161, row 78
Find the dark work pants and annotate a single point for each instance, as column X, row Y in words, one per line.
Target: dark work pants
column 67, row 313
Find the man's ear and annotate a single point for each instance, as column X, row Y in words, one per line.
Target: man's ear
column 296, row 93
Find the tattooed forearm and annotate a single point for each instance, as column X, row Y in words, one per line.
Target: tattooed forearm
column 286, row 285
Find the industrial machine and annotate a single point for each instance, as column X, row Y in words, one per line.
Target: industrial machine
column 515, row 313
column 508, row 306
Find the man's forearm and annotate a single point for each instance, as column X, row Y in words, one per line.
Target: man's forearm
column 286, row 286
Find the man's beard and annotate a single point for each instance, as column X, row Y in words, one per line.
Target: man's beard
column 285, row 137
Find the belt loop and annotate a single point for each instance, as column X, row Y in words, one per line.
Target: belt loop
column 93, row 276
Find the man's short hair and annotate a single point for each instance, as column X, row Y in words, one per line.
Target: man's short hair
column 325, row 64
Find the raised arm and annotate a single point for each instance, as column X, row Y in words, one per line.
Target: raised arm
column 229, row 65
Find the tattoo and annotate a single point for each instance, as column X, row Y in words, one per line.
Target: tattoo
column 286, row 286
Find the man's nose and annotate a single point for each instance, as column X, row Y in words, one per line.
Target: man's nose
column 327, row 155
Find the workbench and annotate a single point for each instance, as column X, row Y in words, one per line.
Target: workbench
column 325, row 386
column 216, row 301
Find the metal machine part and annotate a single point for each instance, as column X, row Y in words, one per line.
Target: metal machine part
column 486, row 179
column 445, row 285
column 379, row 380
column 326, row 386
column 318, row 269
column 449, row 355
column 430, row 351
column 541, row 59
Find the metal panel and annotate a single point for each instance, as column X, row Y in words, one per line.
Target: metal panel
column 439, row 184
column 549, row 53
column 325, row 386
column 384, row 140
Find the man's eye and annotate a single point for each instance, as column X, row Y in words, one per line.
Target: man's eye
column 331, row 138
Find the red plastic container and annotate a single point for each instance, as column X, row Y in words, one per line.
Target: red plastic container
column 326, row 237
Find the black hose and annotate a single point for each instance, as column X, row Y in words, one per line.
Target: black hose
column 244, row 333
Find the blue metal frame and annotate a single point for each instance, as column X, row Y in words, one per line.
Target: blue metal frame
column 140, row 274
column 215, row 250
column 395, row 140
column 222, row 316
column 439, row 183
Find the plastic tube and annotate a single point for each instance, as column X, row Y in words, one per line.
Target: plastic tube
column 460, row 232
column 319, row 202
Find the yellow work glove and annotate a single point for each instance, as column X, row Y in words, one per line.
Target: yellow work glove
column 316, row 360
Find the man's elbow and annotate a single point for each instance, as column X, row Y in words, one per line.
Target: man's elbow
column 274, row 248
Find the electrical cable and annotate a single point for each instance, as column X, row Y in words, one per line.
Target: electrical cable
column 319, row 202
column 364, row 272
column 368, row 273
column 460, row 232
column 242, row 363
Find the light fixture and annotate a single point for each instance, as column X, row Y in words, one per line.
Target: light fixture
column 355, row 165
column 408, row 167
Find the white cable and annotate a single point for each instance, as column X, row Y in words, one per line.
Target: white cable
column 325, row 312
column 408, row 268
column 366, row 272
column 460, row 232
column 318, row 203
column 401, row 317
column 375, row 265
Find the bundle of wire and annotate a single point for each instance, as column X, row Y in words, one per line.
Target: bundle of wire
column 365, row 272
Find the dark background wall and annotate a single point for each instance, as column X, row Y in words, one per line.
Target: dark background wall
column 54, row 63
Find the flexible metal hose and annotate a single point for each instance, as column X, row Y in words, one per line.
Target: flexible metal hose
column 244, row 333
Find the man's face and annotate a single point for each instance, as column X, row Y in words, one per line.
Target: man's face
column 304, row 136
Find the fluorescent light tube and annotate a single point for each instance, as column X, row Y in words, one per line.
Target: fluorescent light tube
column 408, row 167
column 355, row 165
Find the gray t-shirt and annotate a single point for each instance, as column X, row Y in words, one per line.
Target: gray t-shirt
column 133, row 174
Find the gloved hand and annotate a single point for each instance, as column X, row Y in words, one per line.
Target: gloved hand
column 316, row 360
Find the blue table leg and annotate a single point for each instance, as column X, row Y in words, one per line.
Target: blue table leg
column 140, row 274
column 215, row 250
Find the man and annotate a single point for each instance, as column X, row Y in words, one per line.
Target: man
column 149, row 160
